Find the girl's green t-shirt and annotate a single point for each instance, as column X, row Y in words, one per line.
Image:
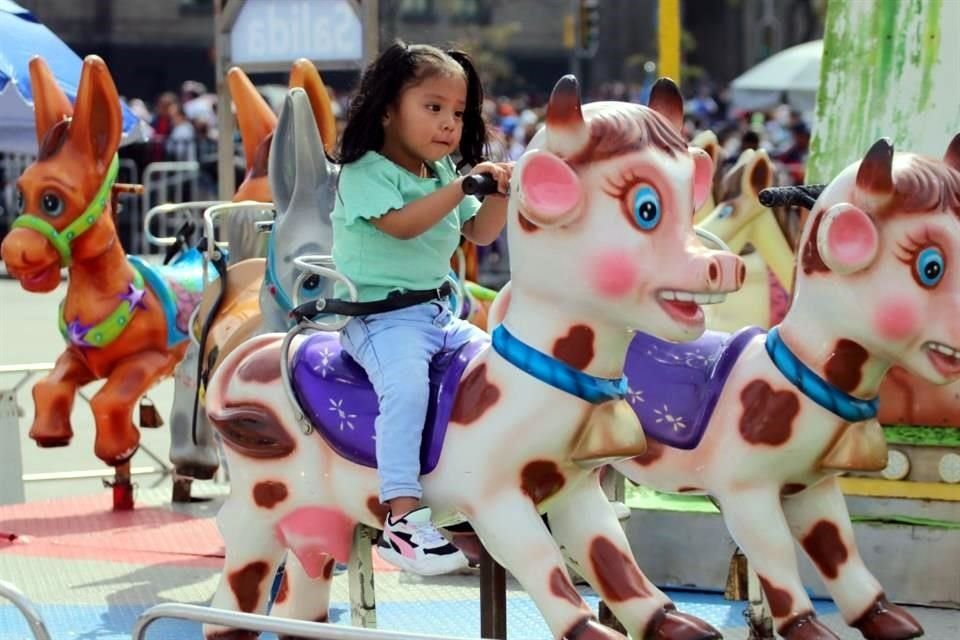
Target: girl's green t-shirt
column 376, row 262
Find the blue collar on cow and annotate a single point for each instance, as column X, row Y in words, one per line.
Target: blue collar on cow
column 816, row 388
column 556, row 373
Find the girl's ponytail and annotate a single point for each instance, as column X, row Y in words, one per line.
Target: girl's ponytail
column 474, row 138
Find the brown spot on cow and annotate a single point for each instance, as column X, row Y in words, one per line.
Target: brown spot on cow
column 525, row 223
column 323, row 618
column 780, row 600
column 234, row 634
column 844, row 368
column 268, row 493
column 379, row 510
column 810, row 258
column 688, row 489
column 283, row 591
column 576, row 348
column 262, row 366
column 328, row 568
column 475, row 395
column 254, row 431
column 792, row 488
column 768, row 414
column 825, row 547
column 562, row 587
column 245, row 584
column 617, row 573
column 541, row 479
column 653, row 453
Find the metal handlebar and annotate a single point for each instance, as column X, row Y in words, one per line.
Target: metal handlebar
column 210, row 215
column 266, row 624
column 26, row 608
column 166, row 209
column 712, row 238
column 323, row 266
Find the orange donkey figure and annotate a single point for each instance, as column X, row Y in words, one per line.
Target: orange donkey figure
column 66, row 221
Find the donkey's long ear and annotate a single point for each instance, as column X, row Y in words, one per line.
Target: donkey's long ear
column 254, row 117
column 97, row 122
column 50, row 103
column 758, row 174
column 304, row 74
column 298, row 166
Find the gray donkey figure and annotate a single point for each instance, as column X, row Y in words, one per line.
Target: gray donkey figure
column 259, row 293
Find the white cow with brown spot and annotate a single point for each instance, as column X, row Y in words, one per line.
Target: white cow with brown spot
column 601, row 242
column 877, row 284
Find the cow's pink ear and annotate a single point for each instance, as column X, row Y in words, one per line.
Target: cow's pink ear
column 702, row 176
column 550, row 190
column 847, row 239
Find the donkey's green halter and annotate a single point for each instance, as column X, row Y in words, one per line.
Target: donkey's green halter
column 105, row 332
column 61, row 240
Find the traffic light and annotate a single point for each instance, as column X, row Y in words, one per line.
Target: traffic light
column 589, row 27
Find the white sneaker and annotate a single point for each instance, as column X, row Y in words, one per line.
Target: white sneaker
column 413, row 544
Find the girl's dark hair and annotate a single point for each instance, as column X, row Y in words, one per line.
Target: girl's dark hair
column 398, row 67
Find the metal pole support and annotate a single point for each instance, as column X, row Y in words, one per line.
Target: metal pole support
column 363, row 599
column 11, row 462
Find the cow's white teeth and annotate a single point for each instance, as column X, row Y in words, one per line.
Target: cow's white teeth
column 689, row 296
column 944, row 349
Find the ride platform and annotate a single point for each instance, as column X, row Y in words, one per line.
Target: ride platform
column 91, row 572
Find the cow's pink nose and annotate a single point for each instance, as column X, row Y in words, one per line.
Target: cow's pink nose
column 725, row 272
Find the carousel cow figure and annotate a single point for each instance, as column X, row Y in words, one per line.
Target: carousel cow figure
column 765, row 421
column 601, row 243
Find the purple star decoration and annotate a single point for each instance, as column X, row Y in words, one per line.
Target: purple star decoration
column 77, row 331
column 134, row 296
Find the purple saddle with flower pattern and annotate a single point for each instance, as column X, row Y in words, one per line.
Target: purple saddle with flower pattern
column 674, row 387
column 337, row 397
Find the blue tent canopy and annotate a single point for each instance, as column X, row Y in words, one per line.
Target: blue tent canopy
column 24, row 37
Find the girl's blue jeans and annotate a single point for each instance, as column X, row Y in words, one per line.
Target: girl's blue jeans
column 396, row 350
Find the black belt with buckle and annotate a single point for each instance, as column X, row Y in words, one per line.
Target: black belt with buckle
column 395, row 300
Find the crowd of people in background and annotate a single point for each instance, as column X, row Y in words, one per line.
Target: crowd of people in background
column 185, row 125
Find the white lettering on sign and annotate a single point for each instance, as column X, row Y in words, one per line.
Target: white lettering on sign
column 269, row 31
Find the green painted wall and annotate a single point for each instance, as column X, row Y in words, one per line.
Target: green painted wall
column 890, row 68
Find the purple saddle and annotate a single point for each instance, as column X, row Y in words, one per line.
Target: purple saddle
column 674, row 387
column 335, row 394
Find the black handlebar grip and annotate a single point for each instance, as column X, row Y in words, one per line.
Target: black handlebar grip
column 479, row 184
column 803, row 195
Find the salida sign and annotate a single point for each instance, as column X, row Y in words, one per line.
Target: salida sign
column 281, row 30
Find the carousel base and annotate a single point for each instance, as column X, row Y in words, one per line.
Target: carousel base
column 92, row 571
column 912, row 553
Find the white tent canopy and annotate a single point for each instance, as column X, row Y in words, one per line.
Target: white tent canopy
column 794, row 72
